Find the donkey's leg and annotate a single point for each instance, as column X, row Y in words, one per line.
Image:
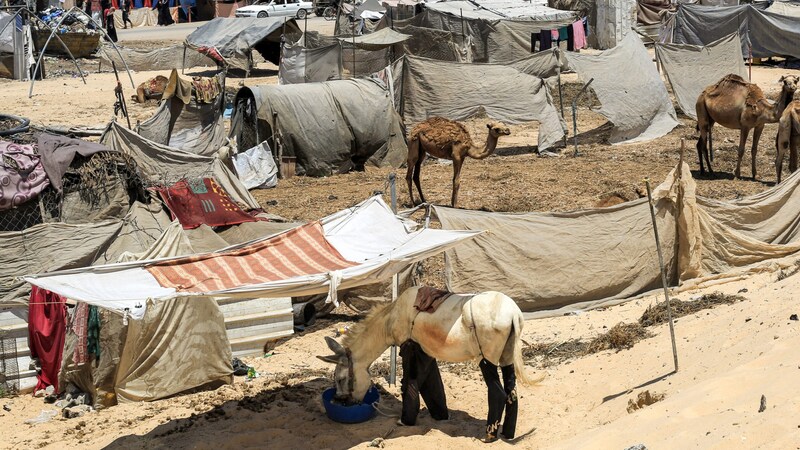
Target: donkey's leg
column 512, row 402
column 497, row 399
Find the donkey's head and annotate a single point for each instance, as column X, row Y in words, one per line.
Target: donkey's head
column 350, row 386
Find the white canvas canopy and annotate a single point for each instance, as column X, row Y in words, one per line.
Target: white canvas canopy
column 369, row 236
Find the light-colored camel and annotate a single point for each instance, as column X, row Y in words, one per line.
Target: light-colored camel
column 485, row 326
column 152, row 89
column 734, row 103
column 788, row 137
column 446, row 139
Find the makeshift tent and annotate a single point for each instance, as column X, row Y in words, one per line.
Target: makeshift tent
column 502, row 9
column 160, row 164
column 369, row 9
column 164, row 58
column 378, row 40
column 230, row 41
column 306, row 65
column 330, row 127
column 785, row 8
column 630, row 90
column 459, row 91
column 358, row 246
column 599, row 257
column 767, row 33
column 691, row 68
column 188, row 118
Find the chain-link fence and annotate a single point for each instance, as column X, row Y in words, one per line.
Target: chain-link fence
column 9, row 367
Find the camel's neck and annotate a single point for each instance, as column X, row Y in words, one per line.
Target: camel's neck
column 488, row 148
column 784, row 100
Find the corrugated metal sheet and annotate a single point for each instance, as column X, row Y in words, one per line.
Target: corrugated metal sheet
column 14, row 323
column 254, row 322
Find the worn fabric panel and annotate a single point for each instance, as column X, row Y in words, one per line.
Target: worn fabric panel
column 511, row 40
column 544, row 64
column 459, row 91
column 692, row 68
column 58, row 152
column 630, row 89
column 306, row 65
column 165, row 58
column 385, row 37
column 197, row 128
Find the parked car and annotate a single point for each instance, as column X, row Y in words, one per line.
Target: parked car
column 273, row 8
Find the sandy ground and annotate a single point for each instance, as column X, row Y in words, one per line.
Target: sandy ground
column 729, row 356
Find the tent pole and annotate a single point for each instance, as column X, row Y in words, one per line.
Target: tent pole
column 575, row 114
column 663, row 272
column 125, row 63
column 183, row 63
column 44, row 48
column 395, row 286
column 560, row 94
column 462, row 23
column 354, row 51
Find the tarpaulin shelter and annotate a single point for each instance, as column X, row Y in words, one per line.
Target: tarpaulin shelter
column 308, row 65
column 630, row 90
column 692, row 68
column 187, row 118
column 766, row 33
column 230, row 41
column 358, row 246
column 459, row 91
column 164, row 58
column 330, row 127
column 600, row 257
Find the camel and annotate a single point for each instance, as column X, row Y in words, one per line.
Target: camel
column 736, row 104
column 446, row 139
column 152, row 89
column 788, row 137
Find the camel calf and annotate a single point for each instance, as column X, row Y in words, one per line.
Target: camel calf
column 788, row 137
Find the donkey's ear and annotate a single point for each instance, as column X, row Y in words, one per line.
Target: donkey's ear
column 333, row 359
column 335, row 346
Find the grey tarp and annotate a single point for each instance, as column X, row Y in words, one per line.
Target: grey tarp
column 57, row 153
column 630, row 90
column 159, row 164
column 307, row 65
column 383, row 38
column 329, row 127
column 231, row 40
column 599, row 257
column 692, row 68
column 195, row 127
column 459, row 91
column 791, row 9
column 48, row 247
column 769, row 33
column 165, row 58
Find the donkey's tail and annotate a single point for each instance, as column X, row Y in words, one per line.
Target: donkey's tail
column 519, row 363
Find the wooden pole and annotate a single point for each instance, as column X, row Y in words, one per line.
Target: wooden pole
column 395, row 285
column 663, row 271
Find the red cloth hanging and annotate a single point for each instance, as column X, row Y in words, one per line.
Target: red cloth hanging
column 47, row 327
column 115, row 4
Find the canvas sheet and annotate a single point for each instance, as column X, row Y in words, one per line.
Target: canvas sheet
column 165, row 58
column 378, row 40
column 329, row 127
column 308, row 65
column 256, row 168
column 379, row 244
column 768, row 33
column 140, row 17
column 598, row 257
column 159, row 164
column 459, row 91
column 58, row 152
column 692, row 68
column 623, row 76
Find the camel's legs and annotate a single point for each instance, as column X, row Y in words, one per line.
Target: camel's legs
column 704, row 148
column 413, row 156
column 756, row 136
column 710, row 154
column 780, row 147
column 742, row 141
column 417, row 173
column 794, row 145
column 457, row 163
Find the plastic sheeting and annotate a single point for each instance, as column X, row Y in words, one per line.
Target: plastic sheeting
column 459, row 91
column 769, row 33
column 599, row 257
column 165, row 58
column 256, row 168
column 378, row 40
column 630, row 90
column 330, row 127
column 692, row 68
column 307, row 65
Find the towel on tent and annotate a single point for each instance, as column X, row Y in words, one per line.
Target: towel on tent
column 202, row 201
column 429, row 298
column 47, row 328
column 80, row 319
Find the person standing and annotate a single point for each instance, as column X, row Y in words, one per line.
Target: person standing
column 97, row 12
column 164, row 16
column 125, row 6
column 111, row 29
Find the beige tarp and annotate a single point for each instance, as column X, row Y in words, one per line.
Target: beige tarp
column 598, row 257
column 692, row 68
column 164, row 58
column 140, row 17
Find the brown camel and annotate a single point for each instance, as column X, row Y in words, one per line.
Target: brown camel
column 446, row 139
column 152, row 89
column 734, row 103
column 788, row 137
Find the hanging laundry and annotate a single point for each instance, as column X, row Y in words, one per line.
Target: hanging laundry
column 570, row 39
column 80, row 320
column 562, row 34
column 554, row 35
column 47, row 328
column 93, row 333
column 535, row 37
column 545, row 40
column 579, row 37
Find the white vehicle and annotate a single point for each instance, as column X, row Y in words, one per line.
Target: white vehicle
column 273, row 8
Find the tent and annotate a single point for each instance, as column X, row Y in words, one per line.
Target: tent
column 230, row 41
column 692, row 68
column 630, row 90
column 307, row 65
column 188, row 119
column 552, row 263
column 330, row 127
column 354, row 247
column 164, row 58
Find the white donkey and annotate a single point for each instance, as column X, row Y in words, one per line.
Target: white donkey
column 486, row 326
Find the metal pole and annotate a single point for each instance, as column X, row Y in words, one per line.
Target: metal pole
column 305, row 29
column 575, row 114
column 462, row 23
column 183, row 62
column 663, row 272
column 354, row 51
column 395, row 283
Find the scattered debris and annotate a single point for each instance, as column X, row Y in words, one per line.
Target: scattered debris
column 73, row 412
column 7, row 408
column 377, row 442
column 644, row 398
column 637, row 447
column 656, row 315
column 763, row 406
column 620, row 337
column 43, row 417
column 793, row 317
column 742, row 291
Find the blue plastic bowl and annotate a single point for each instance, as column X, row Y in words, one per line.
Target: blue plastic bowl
column 351, row 414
